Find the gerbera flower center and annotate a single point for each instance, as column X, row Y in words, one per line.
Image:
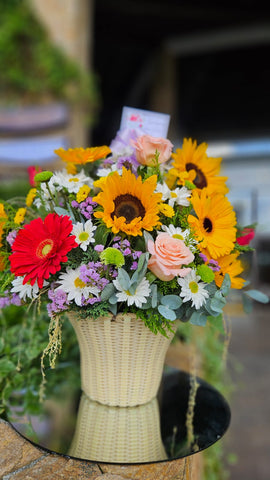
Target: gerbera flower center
column 129, row 207
column 44, row 248
column 207, row 225
column 83, row 236
column 78, row 283
column 193, row 287
column 200, row 179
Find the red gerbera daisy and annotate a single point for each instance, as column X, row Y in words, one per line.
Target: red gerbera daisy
column 40, row 247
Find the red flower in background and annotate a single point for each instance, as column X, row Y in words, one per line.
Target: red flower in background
column 246, row 236
column 40, row 247
column 32, row 171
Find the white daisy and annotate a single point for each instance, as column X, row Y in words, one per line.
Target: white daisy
column 84, row 233
column 25, row 290
column 105, row 171
column 46, row 195
column 138, row 297
column 193, row 289
column 72, row 183
column 75, row 288
column 178, row 195
column 185, row 235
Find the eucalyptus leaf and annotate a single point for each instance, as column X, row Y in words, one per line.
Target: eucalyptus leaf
column 113, row 309
column 147, row 237
column 63, row 211
column 226, row 284
column 217, row 304
column 167, row 312
column 107, row 292
column 171, row 301
column 154, row 299
column 113, row 299
column 123, row 279
column 198, row 318
column 257, row 295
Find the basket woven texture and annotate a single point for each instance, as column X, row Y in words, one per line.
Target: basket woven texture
column 117, row 435
column 121, row 359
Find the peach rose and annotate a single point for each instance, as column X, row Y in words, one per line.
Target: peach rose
column 146, row 147
column 168, row 257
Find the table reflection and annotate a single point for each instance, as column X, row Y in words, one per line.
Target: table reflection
column 117, row 434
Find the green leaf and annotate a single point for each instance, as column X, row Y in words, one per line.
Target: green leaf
column 226, row 285
column 257, row 295
column 198, row 318
column 167, row 312
column 107, row 292
column 171, row 301
column 123, row 279
column 6, row 366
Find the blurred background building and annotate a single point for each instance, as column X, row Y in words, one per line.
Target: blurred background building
column 204, row 63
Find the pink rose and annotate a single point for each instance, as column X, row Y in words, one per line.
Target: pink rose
column 146, row 147
column 168, row 257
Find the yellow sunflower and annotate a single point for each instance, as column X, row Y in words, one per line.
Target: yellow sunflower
column 81, row 156
column 202, row 170
column 231, row 265
column 129, row 204
column 214, row 226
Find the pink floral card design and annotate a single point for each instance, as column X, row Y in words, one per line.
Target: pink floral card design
column 149, row 122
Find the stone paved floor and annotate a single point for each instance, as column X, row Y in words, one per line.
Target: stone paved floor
column 249, row 433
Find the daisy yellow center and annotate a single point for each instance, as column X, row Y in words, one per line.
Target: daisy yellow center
column 129, row 207
column 178, row 236
column 193, row 286
column 173, row 195
column 44, row 248
column 83, row 236
column 207, row 225
column 200, row 179
column 78, row 283
column 74, row 180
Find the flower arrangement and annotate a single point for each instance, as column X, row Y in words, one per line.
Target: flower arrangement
column 132, row 227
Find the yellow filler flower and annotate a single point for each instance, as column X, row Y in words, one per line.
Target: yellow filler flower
column 129, row 204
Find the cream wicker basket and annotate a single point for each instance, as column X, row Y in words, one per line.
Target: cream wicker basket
column 117, row 435
column 121, row 359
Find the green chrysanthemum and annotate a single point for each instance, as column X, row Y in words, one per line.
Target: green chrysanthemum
column 206, row 273
column 112, row 256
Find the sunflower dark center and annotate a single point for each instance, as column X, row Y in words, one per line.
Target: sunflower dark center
column 207, row 225
column 129, row 207
column 200, row 179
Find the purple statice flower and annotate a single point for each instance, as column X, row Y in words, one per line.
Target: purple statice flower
column 213, row 264
column 136, row 254
column 134, row 266
column 129, row 162
column 122, row 245
column 86, row 207
column 99, row 248
column 204, row 257
column 94, row 274
column 15, row 300
column 4, row 302
column 59, row 301
column 122, row 139
column 11, row 237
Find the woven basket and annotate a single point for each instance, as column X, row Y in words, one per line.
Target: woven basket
column 121, row 359
column 118, row 435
